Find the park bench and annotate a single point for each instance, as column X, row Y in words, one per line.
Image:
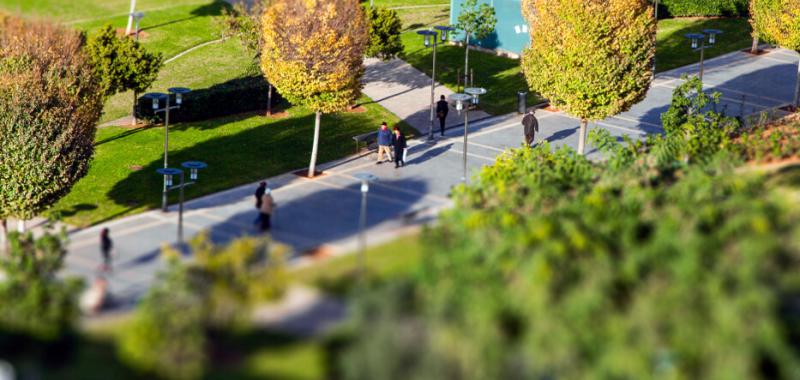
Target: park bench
column 370, row 141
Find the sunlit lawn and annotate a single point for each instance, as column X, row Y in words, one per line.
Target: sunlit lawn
column 674, row 50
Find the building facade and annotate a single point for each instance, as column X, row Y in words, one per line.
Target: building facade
column 511, row 34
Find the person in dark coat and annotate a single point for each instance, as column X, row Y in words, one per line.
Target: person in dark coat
column 441, row 112
column 106, row 245
column 384, row 143
column 399, row 142
column 260, row 190
column 531, row 126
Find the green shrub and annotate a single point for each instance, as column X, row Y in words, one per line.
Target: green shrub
column 384, row 33
column 50, row 102
column 241, row 95
column 681, row 8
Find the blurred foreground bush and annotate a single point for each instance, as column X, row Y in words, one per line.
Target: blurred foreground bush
column 171, row 331
column 660, row 263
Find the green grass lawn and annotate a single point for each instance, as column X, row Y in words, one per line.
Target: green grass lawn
column 338, row 275
column 674, row 50
column 405, row 3
column 239, row 149
column 70, row 11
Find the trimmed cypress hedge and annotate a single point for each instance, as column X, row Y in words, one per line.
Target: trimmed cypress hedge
column 679, row 8
column 236, row 96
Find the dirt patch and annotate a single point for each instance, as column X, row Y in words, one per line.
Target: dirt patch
column 142, row 34
column 320, row 253
column 279, row 114
column 356, row 109
column 759, row 52
column 136, row 168
column 551, row 108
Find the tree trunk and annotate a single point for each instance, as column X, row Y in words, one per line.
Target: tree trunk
column 754, row 47
column 4, row 235
column 269, row 100
column 466, row 59
column 133, row 110
column 797, row 89
column 130, row 18
column 582, row 136
column 313, row 166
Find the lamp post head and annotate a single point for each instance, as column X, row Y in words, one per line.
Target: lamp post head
column 429, row 35
column 194, row 167
column 712, row 35
column 443, row 30
column 460, row 100
column 137, row 15
column 695, row 37
column 475, row 92
column 155, row 98
column 366, row 178
column 168, row 173
column 179, row 92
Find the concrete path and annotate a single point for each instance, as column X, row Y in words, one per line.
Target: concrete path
column 324, row 212
column 406, row 92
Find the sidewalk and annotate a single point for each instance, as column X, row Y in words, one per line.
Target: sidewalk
column 323, row 212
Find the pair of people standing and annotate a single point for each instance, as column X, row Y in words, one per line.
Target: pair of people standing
column 392, row 139
column 265, row 205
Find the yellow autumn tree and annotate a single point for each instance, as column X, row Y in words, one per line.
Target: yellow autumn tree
column 591, row 58
column 313, row 54
column 778, row 21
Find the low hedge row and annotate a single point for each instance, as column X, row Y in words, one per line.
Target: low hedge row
column 236, row 96
column 680, row 8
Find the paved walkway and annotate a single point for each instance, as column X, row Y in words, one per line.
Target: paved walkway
column 324, row 211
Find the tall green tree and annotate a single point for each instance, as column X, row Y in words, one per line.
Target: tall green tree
column 50, row 101
column 591, row 58
column 122, row 63
column 384, row 33
column 313, row 54
column 475, row 21
column 778, row 21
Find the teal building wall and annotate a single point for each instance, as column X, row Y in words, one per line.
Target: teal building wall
column 511, row 33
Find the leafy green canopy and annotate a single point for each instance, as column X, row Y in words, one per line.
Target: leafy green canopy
column 551, row 266
column 121, row 63
column 50, row 101
column 590, row 58
column 313, row 51
column 384, row 33
column 476, row 20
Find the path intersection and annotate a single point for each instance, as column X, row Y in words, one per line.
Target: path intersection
column 323, row 212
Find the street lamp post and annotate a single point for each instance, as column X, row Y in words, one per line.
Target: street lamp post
column 194, row 167
column 431, row 40
column 366, row 179
column 157, row 97
column 700, row 39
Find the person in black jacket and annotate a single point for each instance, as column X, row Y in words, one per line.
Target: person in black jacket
column 106, row 245
column 531, row 126
column 260, row 190
column 441, row 112
column 399, row 142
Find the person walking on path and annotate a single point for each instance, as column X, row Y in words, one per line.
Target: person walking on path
column 531, row 126
column 441, row 112
column 399, row 142
column 265, row 209
column 384, row 143
column 106, row 245
column 262, row 188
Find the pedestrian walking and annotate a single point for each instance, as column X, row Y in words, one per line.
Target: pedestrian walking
column 399, row 142
column 260, row 190
column 106, row 245
column 384, row 143
column 531, row 126
column 441, row 112
column 266, row 209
